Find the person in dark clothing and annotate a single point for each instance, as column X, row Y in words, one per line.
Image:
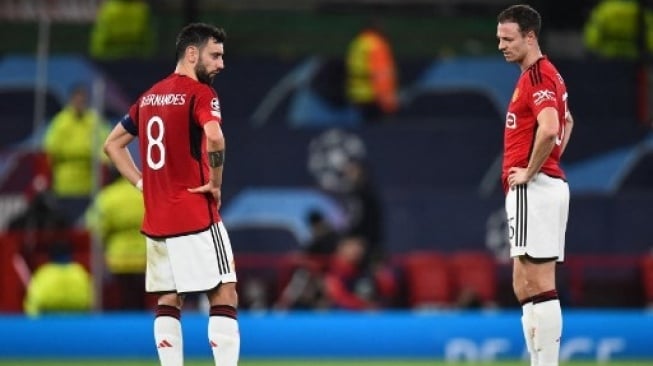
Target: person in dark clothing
column 304, row 289
column 41, row 213
column 324, row 236
column 364, row 208
column 349, row 285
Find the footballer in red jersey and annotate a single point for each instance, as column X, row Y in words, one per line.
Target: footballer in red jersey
column 539, row 87
column 170, row 116
column 537, row 130
column 178, row 124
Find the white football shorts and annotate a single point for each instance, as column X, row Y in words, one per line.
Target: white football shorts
column 537, row 218
column 190, row 263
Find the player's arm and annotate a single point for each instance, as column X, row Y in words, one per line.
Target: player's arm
column 545, row 139
column 215, row 149
column 207, row 112
column 115, row 146
column 569, row 126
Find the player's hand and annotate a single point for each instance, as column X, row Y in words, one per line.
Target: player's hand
column 517, row 176
column 209, row 188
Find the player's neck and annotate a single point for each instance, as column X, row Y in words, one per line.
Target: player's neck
column 186, row 70
column 530, row 59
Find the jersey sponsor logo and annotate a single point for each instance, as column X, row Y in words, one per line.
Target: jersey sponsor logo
column 543, row 95
column 511, row 120
column 163, row 99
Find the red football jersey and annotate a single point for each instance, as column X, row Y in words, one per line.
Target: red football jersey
column 538, row 87
column 169, row 118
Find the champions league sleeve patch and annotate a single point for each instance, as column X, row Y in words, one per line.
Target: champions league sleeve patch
column 215, row 108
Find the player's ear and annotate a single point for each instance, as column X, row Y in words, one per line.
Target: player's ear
column 530, row 35
column 192, row 54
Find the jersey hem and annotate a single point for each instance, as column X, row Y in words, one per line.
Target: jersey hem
column 175, row 235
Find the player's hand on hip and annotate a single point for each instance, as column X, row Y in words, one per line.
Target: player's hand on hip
column 517, row 176
column 208, row 188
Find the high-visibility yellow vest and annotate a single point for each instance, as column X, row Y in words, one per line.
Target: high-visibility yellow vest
column 371, row 74
column 69, row 146
column 116, row 214
column 611, row 30
column 59, row 287
column 122, row 29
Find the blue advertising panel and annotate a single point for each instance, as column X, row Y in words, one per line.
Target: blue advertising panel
column 469, row 336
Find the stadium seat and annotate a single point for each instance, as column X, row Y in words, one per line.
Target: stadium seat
column 427, row 279
column 475, row 273
column 311, row 267
column 647, row 278
column 22, row 252
column 12, row 281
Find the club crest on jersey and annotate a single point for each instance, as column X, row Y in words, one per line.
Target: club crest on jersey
column 543, row 95
column 515, row 95
column 511, row 120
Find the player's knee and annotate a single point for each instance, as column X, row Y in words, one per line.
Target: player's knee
column 171, row 299
column 520, row 288
column 225, row 294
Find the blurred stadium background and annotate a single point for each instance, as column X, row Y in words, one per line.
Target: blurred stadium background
column 434, row 165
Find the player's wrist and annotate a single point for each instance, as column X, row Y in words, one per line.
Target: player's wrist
column 139, row 184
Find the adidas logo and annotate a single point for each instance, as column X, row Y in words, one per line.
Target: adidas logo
column 164, row 344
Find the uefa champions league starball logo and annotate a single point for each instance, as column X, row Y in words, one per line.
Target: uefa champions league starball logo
column 328, row 155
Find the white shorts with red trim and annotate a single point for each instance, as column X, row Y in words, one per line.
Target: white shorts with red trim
column 537, row 218
column 190, row 263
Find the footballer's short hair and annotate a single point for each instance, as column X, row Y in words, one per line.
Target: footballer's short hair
column 525, row 16
column 197, row 34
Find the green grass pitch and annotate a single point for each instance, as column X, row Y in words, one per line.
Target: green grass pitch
column 310, row 362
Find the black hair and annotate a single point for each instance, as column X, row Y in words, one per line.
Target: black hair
column 197, row 34
column 60, row 251
column 314, row 217
column 77, row 88
column 525, row 16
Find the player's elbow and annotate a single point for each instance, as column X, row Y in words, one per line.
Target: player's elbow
column 550, row 133
column 548, row 124
column 214, row 138
column 548, row 129
column 109, row 148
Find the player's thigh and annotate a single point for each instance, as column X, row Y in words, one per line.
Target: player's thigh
column 224, row 294
column 202, row 261
column 159, row 275
column 538, row 275
column 537, row 218
column 547, row 218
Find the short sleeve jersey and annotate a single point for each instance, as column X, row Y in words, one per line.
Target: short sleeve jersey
column 538, row 87
column 169, row 120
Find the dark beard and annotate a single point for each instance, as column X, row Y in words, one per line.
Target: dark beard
column 203, row 76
